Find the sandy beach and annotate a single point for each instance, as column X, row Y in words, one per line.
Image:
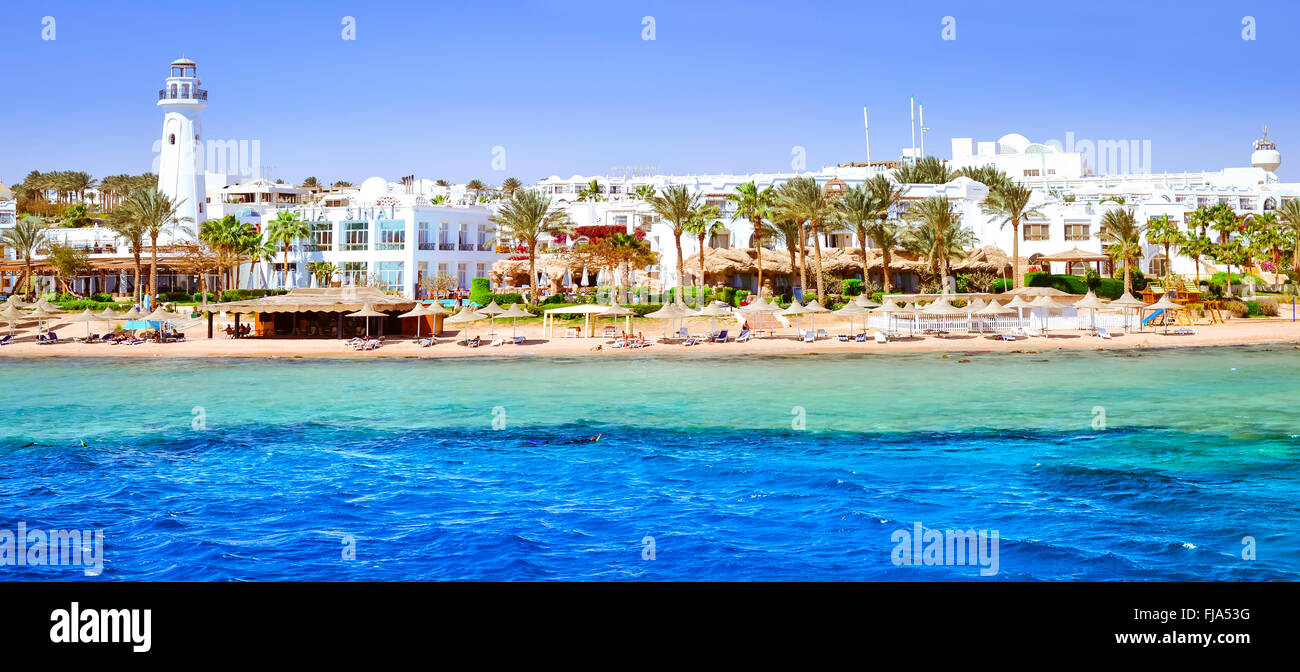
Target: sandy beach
column 1235, row 332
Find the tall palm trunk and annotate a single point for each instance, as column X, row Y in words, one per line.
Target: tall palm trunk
column 532, row 272
column 27, row 278
column 862, row 247
column 681, row 267
column 817, row 257
column 758, row 253
column 885, row 258
column 1015, row 253
column 284, row 275
column 153, row 271
column 804, row 276
column 135, row 288
column 700, row 296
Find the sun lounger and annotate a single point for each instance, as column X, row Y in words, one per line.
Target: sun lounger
column 842, row 338
column 860, row 338
column 721, row 337
column 1019, row 332
column 745, row 335
column 6, row 340
column 519, row 340
column 821, row 333
column 497, row 341
column 1005, row 337
column 1184, row 331
column 809, row 337
column 882, row 337
column 1105, row 335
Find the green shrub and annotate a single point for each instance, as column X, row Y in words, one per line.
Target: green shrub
column 480, row 291
column 1000, row 285
column 508, row 298
column 102, row 297
column 851, row 287
column 1261, row 308
column 741, row 295
column 197, row 297
column 173, row 297
column 1237, row 308
column 553, row 299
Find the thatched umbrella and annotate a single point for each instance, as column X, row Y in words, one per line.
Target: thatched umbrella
column 1048, row 304
column 416, row 312
column 367, row 311
column 712, row 311
column 812, row 307
column 670, row 311
column 465, row 317
column 993, row 309
column 1019, row 303
column 1166, row 304
column 15, row 302
column 616, row 311
column 87, row 317
column 514, row 312
column 49, row 307
column 944, row 308
column 40, row 315
column 1124, row 303
column 852, row 310
column 890, row 309
column 1092, row 304
column 760, row 306
column 862, row 301
column 11, row 314
column 795, row 310
column 491, row 310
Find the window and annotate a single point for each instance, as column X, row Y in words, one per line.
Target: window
column 1036, row 231
column 463, row 237
column 1076, row 268
column 352, row 272
column 481, row 271
column 1034, row 172
column 620, row 220
column 462, row 274
column 321, row 238
column 442, row 268
column 171, row 138
column 426, row 236
column 390, row 234
column 390, row 275
column 1076, row 231
column 1158, row 266
column 356, row 235
column 483, row 239
column 444, row 236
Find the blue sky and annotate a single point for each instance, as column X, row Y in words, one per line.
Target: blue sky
column 571, row 87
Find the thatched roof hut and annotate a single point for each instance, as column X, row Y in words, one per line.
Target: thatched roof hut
column 990, row 259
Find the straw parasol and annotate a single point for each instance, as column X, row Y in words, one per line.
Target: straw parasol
column 514, row 312
column 416, row 312
column 943, row 308
column 491, row 311
column 85, row 316
column 760, row 306
column 852, row 310
column 40, row 315
column 1048, row 304
column 16, row 302
column 367, row 311
column 812, row 308
column 670, row 311
column 49, row 307
column 616, row 311
column 795, row 310
column 1124, row 303
column 890, row 310
column 1092, row 304
column 863, row 302
column 133, row 314
column 712, row 311
column 993, row 310
column 11, row 314
column 465, row 316
column 1019, row 303
column 1167, row 305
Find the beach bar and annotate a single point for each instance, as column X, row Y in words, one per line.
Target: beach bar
column 323, row 313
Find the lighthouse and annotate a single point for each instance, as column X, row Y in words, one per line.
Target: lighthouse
column 180, row 164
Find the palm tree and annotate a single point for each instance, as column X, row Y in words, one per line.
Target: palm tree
column 475, row 186
column 859, row 210
column 156, row 212
column 27, row 235
column 885, row 234
column 1162, row 231
column 510, row 186
column 1196, row 245
column 121, row 222
column 644, row 192
column 888, row 235
column 803, row 199
column 1010, row 202
column 937, row 235
column 755, row 205
column 525, row 218
column 1290, row 219
column 311, row 182
column 926, row 170
column 676, row 205
column 286, row 229
column 988, row 176
column 589, row 191
column 703, row 225
column 790, row 233
column 1123, row 236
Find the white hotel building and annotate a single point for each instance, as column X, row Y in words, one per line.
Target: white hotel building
column 1069, row 198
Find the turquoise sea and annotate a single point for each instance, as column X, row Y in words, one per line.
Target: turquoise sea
column 1151, row 465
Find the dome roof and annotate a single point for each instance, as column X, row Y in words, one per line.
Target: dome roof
column 1012, row 143
column 183, row 61
column 373, row 188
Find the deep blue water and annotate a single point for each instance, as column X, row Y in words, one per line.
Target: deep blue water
column 295, row 457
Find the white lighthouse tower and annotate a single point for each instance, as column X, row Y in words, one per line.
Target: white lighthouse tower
column 180, row 165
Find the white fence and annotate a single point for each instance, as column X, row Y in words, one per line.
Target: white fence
column 1035, row 318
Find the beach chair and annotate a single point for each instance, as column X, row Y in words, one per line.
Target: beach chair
column 721, row 337
column 745, row 335
column 1019, row 332
column 882, row 337
column 1184, row 331
column 1103, row 334
column 497, row 341
column 683, row 334
column 519, row 340
column 6, row 340
column 821, row 333
column 809, row 337
column 842, row 338
column 860, row 338
column 609, row 332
